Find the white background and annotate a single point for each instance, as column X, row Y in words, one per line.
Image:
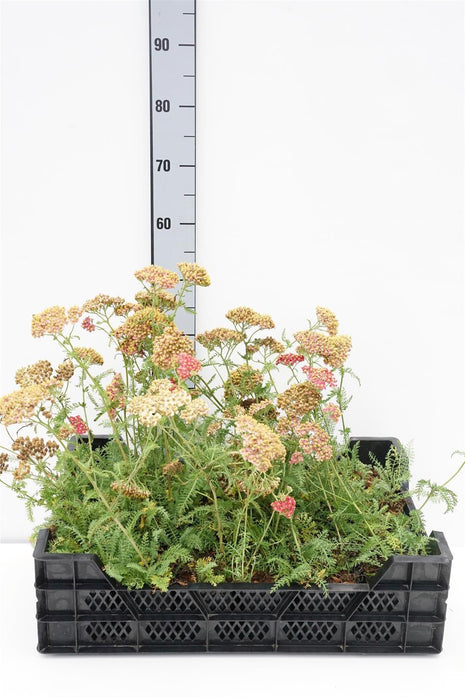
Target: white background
column 330, row 171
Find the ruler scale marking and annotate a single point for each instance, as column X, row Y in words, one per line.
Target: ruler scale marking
column 172, row 136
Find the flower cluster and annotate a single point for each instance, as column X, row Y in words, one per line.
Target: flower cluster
column 328, row 319
column 321, row 378
column 188, row 365
column 115, row 392
column 269, row 343
column 284, row 506
column 88, row 324
column 162, row 299
column 299, row 399
column 65, row 371
column 218, row 336
column 3, row 462
column 163, row 399
column 242, row 381
column 168, row 346
column 131, row 491
column 158, row 276
column 20, row 405
column 78, row 425
column 194, row 273
column 296, row 457
column 333, row 411
column 37, row 373
column 317, row 443
column 74, row 313
column 246, row 316
column 89, row 355
column 289, row 359
column 173, row 467
column 35, row 448
column 102, row 302
column 49, row 321
column 133, row 332
column 333, row 349
column 261, row 446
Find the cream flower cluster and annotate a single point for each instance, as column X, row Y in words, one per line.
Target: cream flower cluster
column 166, row 399
column 261, row 445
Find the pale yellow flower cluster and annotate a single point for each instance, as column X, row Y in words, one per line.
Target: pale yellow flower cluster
column 195, row 273
column 49, row 321
column 261, row 445
column 246, row 316
column 164, row 399
column 74, row 313
column 19, row 406
column 193, row 410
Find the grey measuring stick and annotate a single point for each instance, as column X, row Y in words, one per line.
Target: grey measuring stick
column 172, row 136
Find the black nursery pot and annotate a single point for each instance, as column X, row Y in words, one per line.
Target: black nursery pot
column 402, row 609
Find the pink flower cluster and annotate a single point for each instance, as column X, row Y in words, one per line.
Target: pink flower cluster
column 317, row 444
column 289, row 359
column 88, row 324
column 296, row 457
column 321, row 378
column 332, row 411
column 284, row 506
column 78, row 425
column 187, row 365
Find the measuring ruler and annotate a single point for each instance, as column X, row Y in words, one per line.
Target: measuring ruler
column 172, row 136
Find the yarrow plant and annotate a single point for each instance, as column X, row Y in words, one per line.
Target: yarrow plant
column 232, row 463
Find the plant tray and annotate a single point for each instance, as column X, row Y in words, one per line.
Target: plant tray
column 402, row 609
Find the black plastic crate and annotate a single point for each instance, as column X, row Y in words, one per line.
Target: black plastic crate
column 401, row 609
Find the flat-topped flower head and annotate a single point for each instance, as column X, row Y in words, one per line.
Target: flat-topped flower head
column 195, row 273
column 328, row 319
column 334, row 349
column 137, row 327
column 299, row 399
column 321, row 378
column 163, row 399
column 74, row 313
column 246, row 316
column 188, row 365
column 289, row 359
column 218, row 336
column 78, row 424
column 88, row 324
column 261, row 445
column 37, row 373
column 169, row 345
column 101, row 302
column 158, row 276
column 20, row 405
column 49, row 321
column 284, row 506
column 89, row 355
